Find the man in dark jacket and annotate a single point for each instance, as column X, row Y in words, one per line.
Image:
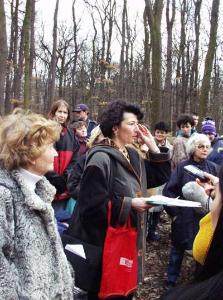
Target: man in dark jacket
column 81, row 113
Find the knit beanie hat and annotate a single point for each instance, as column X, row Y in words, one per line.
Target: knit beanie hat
column 208, row 126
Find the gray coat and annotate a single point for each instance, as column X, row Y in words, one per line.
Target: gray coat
column 109, row 175
column 33, row 265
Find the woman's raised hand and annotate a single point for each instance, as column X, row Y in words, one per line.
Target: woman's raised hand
column 147, row 138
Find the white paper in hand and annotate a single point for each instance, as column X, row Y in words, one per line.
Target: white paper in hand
column 162, row 200
column 76, row 249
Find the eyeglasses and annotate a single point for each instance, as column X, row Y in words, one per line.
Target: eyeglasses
column 203, row 147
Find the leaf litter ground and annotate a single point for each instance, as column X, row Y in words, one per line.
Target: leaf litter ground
column 156, row 263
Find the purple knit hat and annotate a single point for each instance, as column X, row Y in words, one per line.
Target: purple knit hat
column 208, row 126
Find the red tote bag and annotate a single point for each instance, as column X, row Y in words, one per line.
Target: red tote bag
column 119, row 265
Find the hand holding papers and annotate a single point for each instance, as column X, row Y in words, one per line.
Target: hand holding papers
column 162, row 200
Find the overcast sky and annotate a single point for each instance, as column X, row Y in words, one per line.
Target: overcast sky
column 45, row 10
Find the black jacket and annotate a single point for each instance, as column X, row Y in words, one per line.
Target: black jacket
column 109, row 175
column 67, row 148
column 73, row 183
column 185, row 222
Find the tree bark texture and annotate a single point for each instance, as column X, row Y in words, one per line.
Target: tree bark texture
column 205, row 88
column 53, row 63
column 3, row 55
column 154, row 15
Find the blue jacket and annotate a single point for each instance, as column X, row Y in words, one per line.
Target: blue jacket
column 185, row 222
column 91, row 124
column 216, row 154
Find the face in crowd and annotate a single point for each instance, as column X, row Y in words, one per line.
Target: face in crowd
column 160, row 136
column 61, row 114
column 80, row 115
column 186, row 129
column 127, row 131
column 196, row 120
column 201, row 151
column 81, row 132
column 210, row 135
column 45, row 162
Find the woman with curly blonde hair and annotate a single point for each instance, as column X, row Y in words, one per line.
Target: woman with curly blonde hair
column 33, row 264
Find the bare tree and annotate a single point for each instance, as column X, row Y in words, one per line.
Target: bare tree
column 26, row 33
column 3, row 54
column 147, row 83
column 53, row 64
column 205, row 88
column 154, row 15
column 193, row 93
column 183, row 59
column 32, row 46
column 65, row 59
column 167, row 98
column 77, row 48
column 122, row 61
column 18, row 55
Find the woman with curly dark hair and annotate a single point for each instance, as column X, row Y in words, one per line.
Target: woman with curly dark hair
column 116, row 172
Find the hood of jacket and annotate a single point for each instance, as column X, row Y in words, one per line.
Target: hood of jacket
column 133, row 165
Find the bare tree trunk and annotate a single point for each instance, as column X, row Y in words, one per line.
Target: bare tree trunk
column 27, row 37
column 123, row 48
column 154, row 15
column 32, row 47
column 76, row 51
column 194, row 68
column 167, row 103
column 17, row 87
column 12, row 56
column 112, row 10
column 3, row 54
column 147, row 66
column 181, row 73
column 205, row 88
column 53, row 64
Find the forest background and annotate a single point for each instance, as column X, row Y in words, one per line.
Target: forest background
column 166, row 56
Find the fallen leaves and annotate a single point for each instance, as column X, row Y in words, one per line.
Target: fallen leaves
column 157, row 255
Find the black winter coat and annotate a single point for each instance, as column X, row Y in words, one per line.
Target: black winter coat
column 67, row 148
column 109, row 175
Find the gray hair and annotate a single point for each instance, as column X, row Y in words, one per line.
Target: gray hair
column 194, row 140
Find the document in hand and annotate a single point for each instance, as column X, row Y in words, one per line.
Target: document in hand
column 162, row 200
column 76, row 249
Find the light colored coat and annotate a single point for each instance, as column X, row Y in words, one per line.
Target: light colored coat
column 33, row 265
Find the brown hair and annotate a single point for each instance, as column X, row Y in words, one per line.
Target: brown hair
column 78, row 124
column 23, row 137
column 55, row 107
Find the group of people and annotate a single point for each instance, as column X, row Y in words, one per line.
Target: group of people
column 57, row 177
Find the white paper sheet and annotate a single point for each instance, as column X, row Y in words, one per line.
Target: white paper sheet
column 162, row 200
column 76, row 249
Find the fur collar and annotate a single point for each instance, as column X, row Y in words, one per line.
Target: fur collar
column 39, row 200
